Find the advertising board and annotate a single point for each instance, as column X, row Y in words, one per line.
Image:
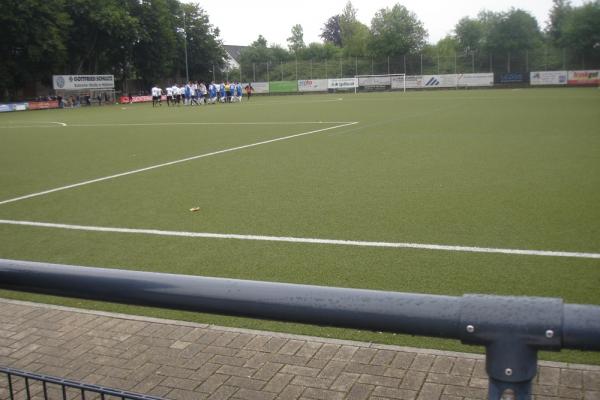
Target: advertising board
column 43, row 105
column 548, row 78
column 80, row 82
column 312, row 85
column 512, row 77
column 283, row 86
column 440, row 81
column 475, row 80
column 584, row 78
column 260, row 87
column 342, row 83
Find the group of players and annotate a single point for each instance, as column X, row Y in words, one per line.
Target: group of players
column 198, row 93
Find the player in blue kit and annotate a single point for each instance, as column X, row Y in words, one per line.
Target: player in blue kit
column 212, row 93
column 222, row 92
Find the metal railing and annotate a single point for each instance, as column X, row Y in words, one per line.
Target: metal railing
column 512, row 329
column 28, row 385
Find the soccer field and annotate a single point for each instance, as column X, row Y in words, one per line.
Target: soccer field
column 446, row 192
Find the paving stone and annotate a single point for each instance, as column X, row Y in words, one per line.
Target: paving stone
column 278, row 382
column 360, row 391
column 322, row 394
column 291, row 392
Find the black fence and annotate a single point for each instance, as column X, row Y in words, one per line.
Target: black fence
column 512, row 329
column 539, row 59
column 29, row 386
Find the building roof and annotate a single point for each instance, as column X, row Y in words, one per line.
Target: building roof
column 234, row 51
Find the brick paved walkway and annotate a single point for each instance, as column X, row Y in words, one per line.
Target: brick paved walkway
column 181, row 360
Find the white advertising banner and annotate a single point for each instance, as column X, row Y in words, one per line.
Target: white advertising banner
column 440, row 81
column 414, row 82
column 312, row 85
column 80, row 82
column 398, row 82
column 260, row 87
column 548, row 78
column 474, row 80
column 375, row 81
column 342, row 83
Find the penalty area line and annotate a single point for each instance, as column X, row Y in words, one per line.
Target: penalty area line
column 286, row 239
column 166, row 164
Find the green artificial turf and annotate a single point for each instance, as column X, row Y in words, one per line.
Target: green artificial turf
column 488, row 168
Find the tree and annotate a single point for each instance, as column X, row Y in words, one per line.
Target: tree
column 320, row 51
column 296, row 41
column 157, row 52
column 204, row 47
column 469, row 34
column 32, row 42
column 396, row 31
column 354, row 34
column 512, row 31
column 558, row 15
column 259, row 52
column 331, row 32
column 581, row 30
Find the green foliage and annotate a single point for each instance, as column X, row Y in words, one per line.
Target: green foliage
column 581, row 29
column 498, row 32
column 396, row 31
column 513, row 30
column 141, row 39
column 354, row 34
column 33, row 38
column 469, row 33
column 558, row 14
column 296, row 41
column 331, row 32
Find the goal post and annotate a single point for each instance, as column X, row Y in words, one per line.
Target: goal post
column 380, row 82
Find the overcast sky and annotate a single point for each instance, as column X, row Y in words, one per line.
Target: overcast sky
column 241, row 21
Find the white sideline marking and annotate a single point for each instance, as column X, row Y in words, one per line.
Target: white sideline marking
column 357, row 243
column 174, row 123
column 33, row 126
column 213, row 123
column 135, row 171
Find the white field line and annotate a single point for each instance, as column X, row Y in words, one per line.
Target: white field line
column 63, row 124
column 263, row 238
column 41, row 125
column 137, row 171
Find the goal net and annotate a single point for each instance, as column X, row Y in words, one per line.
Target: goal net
column 369, row 83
